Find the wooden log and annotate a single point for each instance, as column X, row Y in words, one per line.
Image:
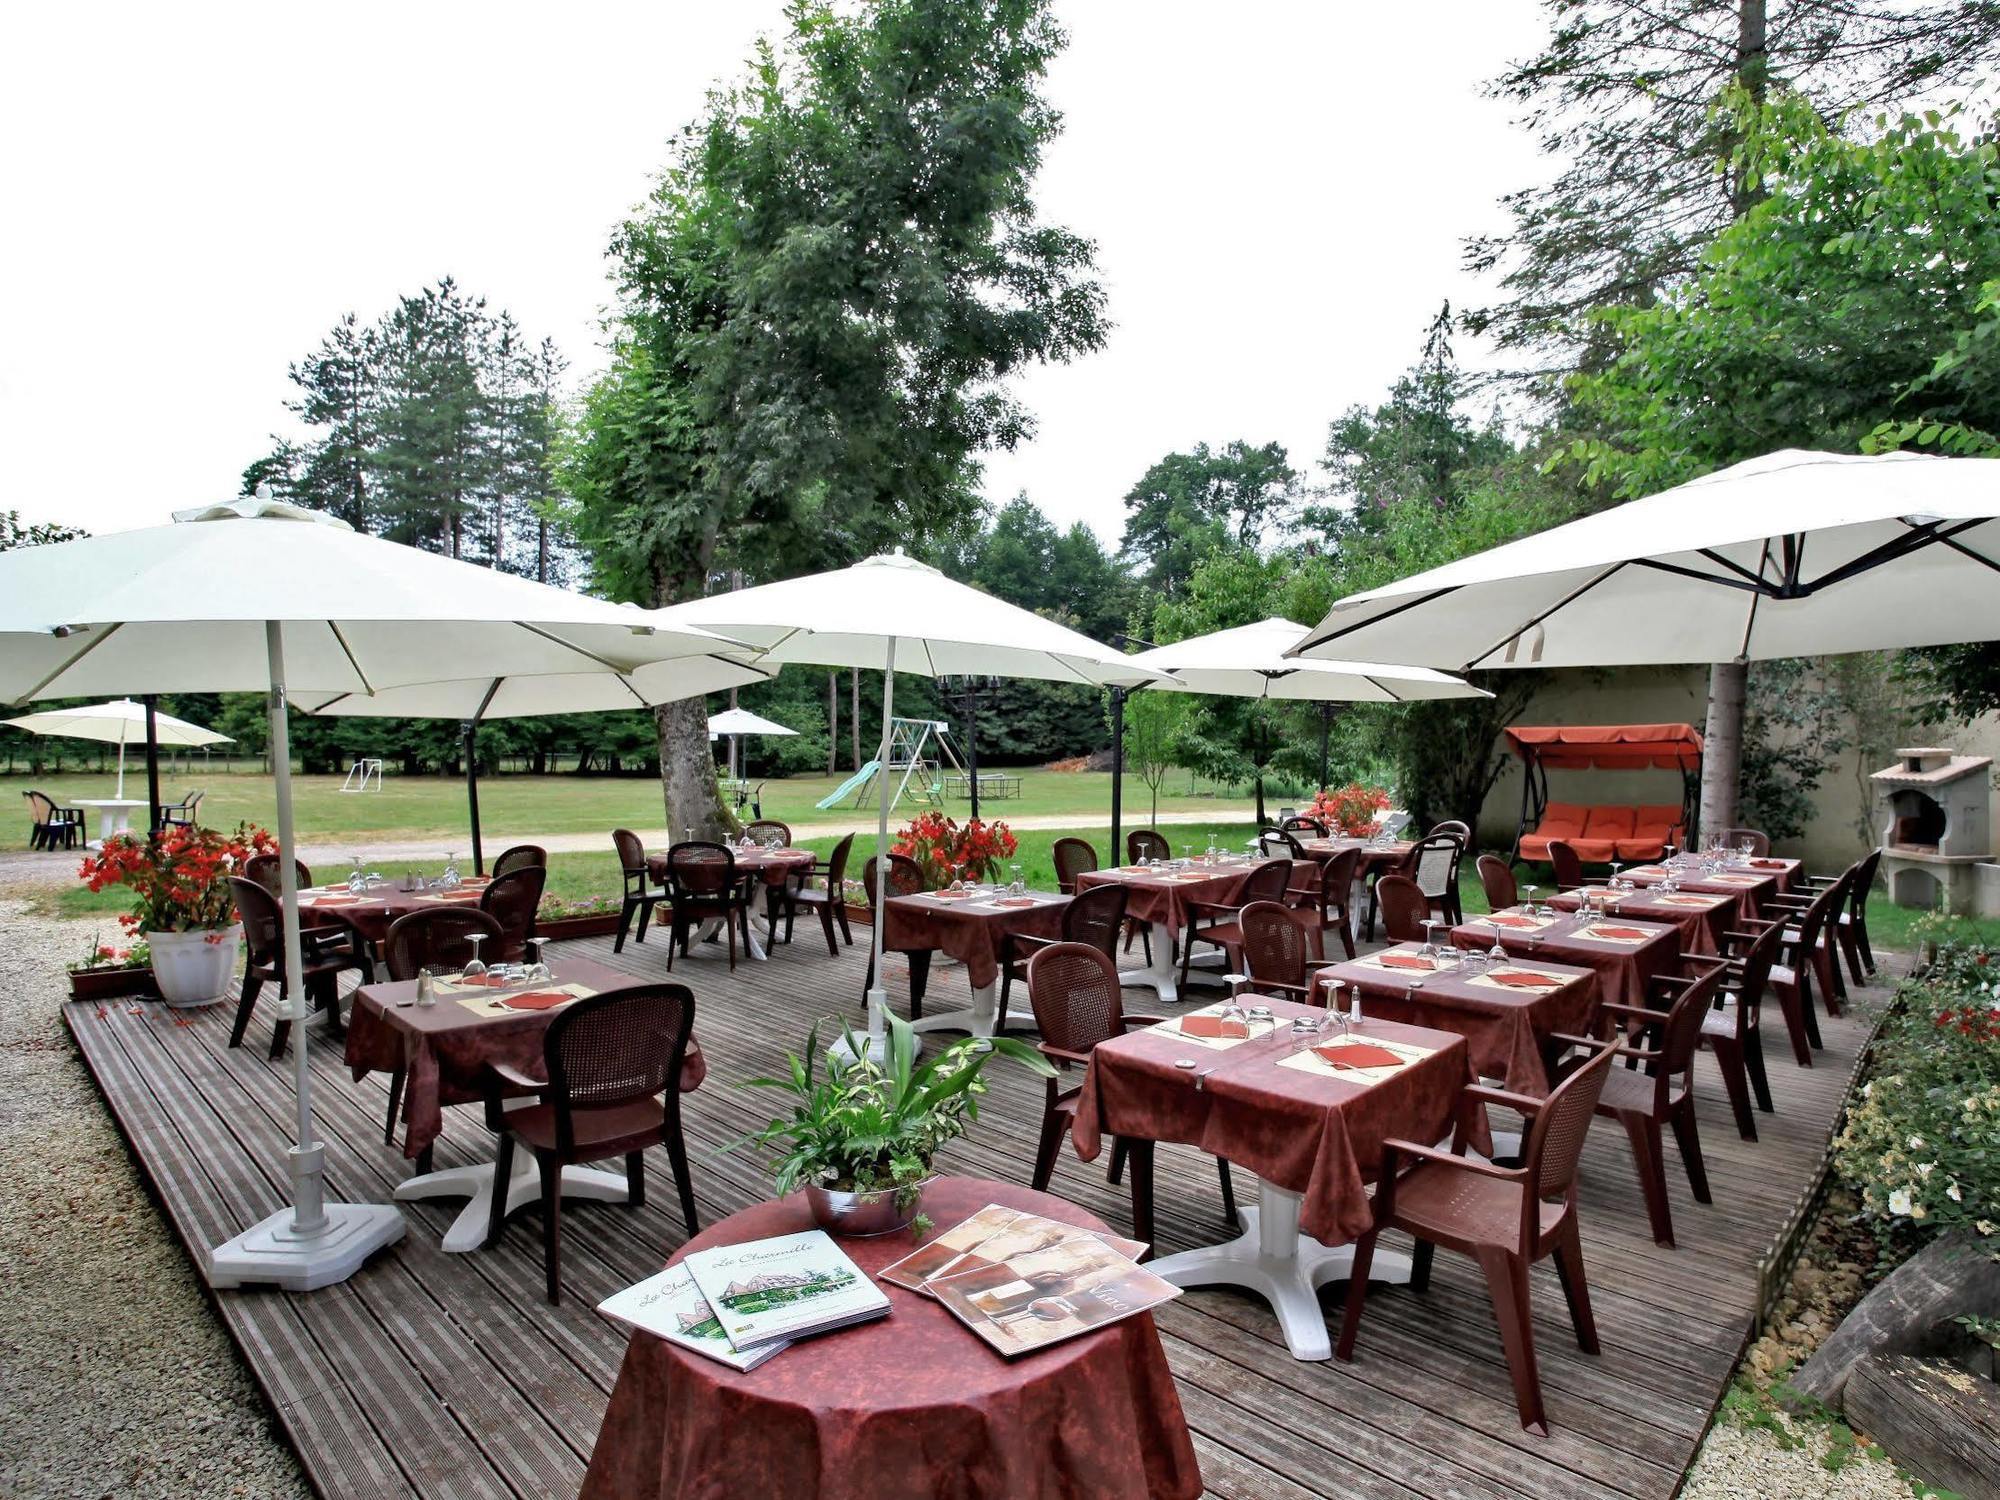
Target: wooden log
column 1937, row 1419
column 1909, row 1313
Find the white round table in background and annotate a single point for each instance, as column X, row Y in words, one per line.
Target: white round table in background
column 114, row 815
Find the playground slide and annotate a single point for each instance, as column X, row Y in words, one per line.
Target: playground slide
column 849, row 787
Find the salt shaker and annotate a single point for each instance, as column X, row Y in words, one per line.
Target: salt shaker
column 426, row 988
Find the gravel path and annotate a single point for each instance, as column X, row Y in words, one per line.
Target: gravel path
column 116, row 1379
column 1738, row 1462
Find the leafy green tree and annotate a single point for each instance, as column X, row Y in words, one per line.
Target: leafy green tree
column 1156, row 724
column 1188, row 504
column 819, row 306
column 1622, row 94
column 14, row 532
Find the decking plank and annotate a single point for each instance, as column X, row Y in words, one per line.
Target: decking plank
column 437, row 1375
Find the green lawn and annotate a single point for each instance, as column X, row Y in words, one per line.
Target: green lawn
column 520, row 806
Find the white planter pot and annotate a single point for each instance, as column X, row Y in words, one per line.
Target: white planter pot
column 195, row 968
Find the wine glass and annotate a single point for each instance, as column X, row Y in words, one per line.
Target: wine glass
column 1209, row 857
column 357, row 882
column 538, row 968
column 1335, row 1011
column 1430, row 947
column 1187, row 855
column 1530, row 892
column 474, row 971
column 450, row 879
column 1018, row 885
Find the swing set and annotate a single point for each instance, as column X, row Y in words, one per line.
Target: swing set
column 909, row 742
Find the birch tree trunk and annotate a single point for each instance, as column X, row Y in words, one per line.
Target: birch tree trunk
column 1722, row 748
column 687, row 773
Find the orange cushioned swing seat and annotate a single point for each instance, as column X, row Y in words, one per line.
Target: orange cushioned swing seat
column 1604, row 833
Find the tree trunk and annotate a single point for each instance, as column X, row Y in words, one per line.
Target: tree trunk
column 542, row 551
column 832, row 722
column 687, row 773
column 1722, row 748
column 854, row 712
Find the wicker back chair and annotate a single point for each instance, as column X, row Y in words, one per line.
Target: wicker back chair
column 1659, row 1040
column 264, row 869
column 436, row 938
column 1267, row 882
column 512, row 900
column 1335, row 898
column 1277, row 952
column 761, row 829
column 1438, row 856
column 1733, row 1030
column 1146, row 843
column 828, row 902
column 264, row 959
column 1506, row 1219
column 1074, row 990
column 1405, row 908
column 521, row 857
column 905, row 877
column 641, row 892
column 1298, row 823
column 1073, row 857
column 608, row 1058
column 1277, row 843
column 1456, row 827
column 704, row 885
column 1094, row 918
column 1496, row 877
column 1567, row 864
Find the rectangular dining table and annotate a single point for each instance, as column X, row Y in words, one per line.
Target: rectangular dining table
column 1626, row 953
column 444, row 1050
column 1311, row 1131
column 1506, row 1014
column 1159, row 896
column 974, row 928
column 372, row 913
column 1753, row 884
column 1705, row 918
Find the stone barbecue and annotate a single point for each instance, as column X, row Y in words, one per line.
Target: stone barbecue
column 1937, row 836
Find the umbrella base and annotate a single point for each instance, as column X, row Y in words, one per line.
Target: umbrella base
column 274, row 1252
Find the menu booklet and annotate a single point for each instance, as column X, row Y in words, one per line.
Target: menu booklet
column 1031, row 1301
column 672, row 1306
column 785, row 1287
column 989, row 1237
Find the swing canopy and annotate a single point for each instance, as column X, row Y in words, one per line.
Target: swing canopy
column 1603, row 832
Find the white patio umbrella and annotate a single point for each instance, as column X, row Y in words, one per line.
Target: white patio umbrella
column 118, row 722
column 737, row 722
column 892, row 613
column 253, row 595
column 1792, row 554
column 1249, row 661
column 473, row 701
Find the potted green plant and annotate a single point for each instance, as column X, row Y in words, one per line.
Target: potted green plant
column 860, row 1138
column 185, row 911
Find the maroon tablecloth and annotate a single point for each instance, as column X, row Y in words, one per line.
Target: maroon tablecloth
column 1315, row 1134
column 1375, row 858
column 1625, row 971
column 1702, row 916
column 972, row 930
column 911, row 1407
column 372, row 915
column 445, row 1047
column 771, row 866
column 1159, row 897
column 1752, row 886
column 1506, row 1029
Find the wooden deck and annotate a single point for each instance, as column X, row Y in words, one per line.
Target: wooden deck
column 448, row 1375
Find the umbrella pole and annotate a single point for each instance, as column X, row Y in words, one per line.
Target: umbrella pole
column 121, row 763
column 1117, row 771
column 469, row 728
column 314, row 1243
column 878, row 993
column 152, row 763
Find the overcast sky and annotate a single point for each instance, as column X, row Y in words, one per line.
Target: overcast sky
column 193, row 194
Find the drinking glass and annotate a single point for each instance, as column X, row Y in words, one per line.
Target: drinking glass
column 1208, row 858
column 356, row 881
column 1430, row 948
column 1334, row 1009
column 1187, row 856
column 1529, row 893
column 538, row 969
column 474, row 971
column 1017, row 886
column 450, row 879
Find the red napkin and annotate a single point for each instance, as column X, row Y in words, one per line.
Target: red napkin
column 1523, row 979
column 1358, row 1055
column 535, row 1000
column 335, row 900
column 487, row 981
column 1628, row 934
column 1017, row 901
column 1405, row 961
column 452, row 896
column 1213, row 1026
column 1767, row 864
column 1508, row 919
column 948, row 895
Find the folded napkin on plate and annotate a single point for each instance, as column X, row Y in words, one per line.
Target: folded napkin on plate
column 484, row 981
column 949, row 895
column 1676, row 899
column 1617, row 934
column 1524, row 979
column 451, row 896
column 534, row 1000
column 1509, row 919
column 1213, row 1026
column 335, row 900
column 1017, row 901
column 1357, row 1055
column 1768, row 864
column 1405, row 961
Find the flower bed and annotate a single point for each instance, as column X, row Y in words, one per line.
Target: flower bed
column 107, row 972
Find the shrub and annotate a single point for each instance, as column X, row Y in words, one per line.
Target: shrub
column 948, row 851
column 1353, row 810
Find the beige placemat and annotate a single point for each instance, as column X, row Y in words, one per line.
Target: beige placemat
column 1521, row 922
column 1519, row 968
column 1309, row 1061
column 489, row 1005
column 1595, row 933
column 1374, row 961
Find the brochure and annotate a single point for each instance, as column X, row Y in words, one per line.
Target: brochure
column 990, row 1236
column 785, row 1287
column 1031, row 1301
column 672, row 1306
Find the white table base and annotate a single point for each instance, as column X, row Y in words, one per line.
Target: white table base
column 468, row 1230
column 1284, row 1267
column 1163, row 974
column 752, row 949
